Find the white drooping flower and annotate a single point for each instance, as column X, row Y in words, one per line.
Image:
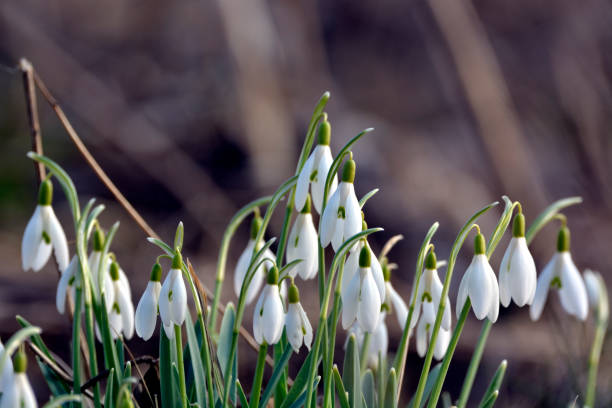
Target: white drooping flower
column 146, row 311
column 561, row 273
column 593, row 288
column 173, row 297
column 424, row 332
column 361, row 298
column 517, row 272
column 429, row 292
column 299, row 330
column 479, row 284
column 243, row 265
column 303, row 244
column 67, row 283
column 100, row 271
column 341, row 218
column 6, row 377
column 19, row 394
column 351, row 267
column 268, row 317
column 315, row 170
column 44, row 233
column 379, row 342
column 121, row 317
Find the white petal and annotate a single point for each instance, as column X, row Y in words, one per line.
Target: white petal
column 293, row 243
column 493, row 312
column 479, row 286
column 417, row 303
column 421, row 338
column 94, row 265
column 164, row 303
column 109, row 290
column 125, row 283
column 115, row 323
column 169, row 330
column 58, row 238
column 127, row 311
column 442, row 342
column 178, row 306
column 146, row 311
column 351, row 266
column 6, row 378
column 436, row 293
column 62, row 286
column 377, row 274
column 242, row 266
column 504, row 272
column 303, row 182
column 257, row 319
column 308, row 249
column 463, row 291
column 591, row 282
column 353, row 222
column 350, row 301
column 522, row 274
column 307, row 327
column 32, row 238
column 329, row 219
column 547, row 275
column 368, row 311
column 272, row 315
column 573, row 293
column 399, row 306
column 293, row 323
column 318, row 185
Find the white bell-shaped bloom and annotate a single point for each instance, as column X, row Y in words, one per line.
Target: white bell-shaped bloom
column 173, row 297
column 43, row 233
column 342, row 215
column 243, row 265
column 593, row 288
column 480, row 285
column 562, row 274
column 315, row 170
column 517, row 272
column 430, row 292
column 379, row 342
column 19, row 394
column 424, row 332
column 299, row 330
column 121, row 317
column 397, row 305
column 361, row 298
column 6, row 377
column 303, row 244
column 268, row 317
column 67, row 283
column 97, row 269
column 351, row 268
column 146, row 311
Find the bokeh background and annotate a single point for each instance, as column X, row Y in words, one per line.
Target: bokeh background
column 196, row 107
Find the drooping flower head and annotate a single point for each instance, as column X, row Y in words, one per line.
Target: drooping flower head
column 425, row 331
column 517, row 272
column 100, row 269
column 342, row 215
column 6, row 377
column 173, row 297
column 43, row 233
column 146, row 311
column 561, row 273
column 242, row 266
column 268, row 317
column 361, row 298
column 303, row 244
column 19, row 394
column 393, row 301
column 67, row 283
column 429, row 294
column 299, row 330
column 121, row 317
column 479, row 284
column 315, row 170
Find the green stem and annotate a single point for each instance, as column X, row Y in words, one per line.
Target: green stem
column 259, row 370
column 363, row 358
column 180, row 365
column 437, row 389
column 76, row 345
column 91, row 345
column 600, row 333
column 208, row 362
column 474, row 363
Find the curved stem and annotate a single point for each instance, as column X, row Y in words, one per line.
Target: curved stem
column 180, row 365
column 76, row 347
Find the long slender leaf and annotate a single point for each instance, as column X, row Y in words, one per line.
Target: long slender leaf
column 351, row 373
column 15, row 341
column 223, row 348
column 495, row 383
column 166, row 382
column 299, row 383
column 242, row 396
column 279, row 369
column 431, row 379
column 59, row 401
column 196, row 362
column 548, row 213
column 342, row 394
column 299, row 402
column 110, row 383
column 368, row 389
column 391, row 390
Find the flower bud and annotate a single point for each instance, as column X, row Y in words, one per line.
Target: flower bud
column 324, row 135
column 20, row 362
column 365, row 259
column 272, row 278
column 294, row 294
column 45, row 192
column 518, row 226
column 156, row 273
column 479, row 244
column 563, row 240
column 431, row 261
column 348, row 172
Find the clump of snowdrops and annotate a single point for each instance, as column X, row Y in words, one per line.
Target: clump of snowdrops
column 198, row 356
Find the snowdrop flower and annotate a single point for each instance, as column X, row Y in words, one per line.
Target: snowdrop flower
column 146, row 311
column 269, row 315
column 6, row 377
column 393, row 301
column 67, row 282
column 429, row 293
column 379, row 342
column 243, row 265
column 315, row 171
column 517, row 272
column 297, row 325
column 99, row 271
column 303, row 245
column 173, row 297
column 361, row 298
column 562, row 274
column 593, row 288
column 480, row 285
column 424, row 332
column 342, row 215
column 43, row 233
column 19, row 394
column 351, row 267
column 121, row 317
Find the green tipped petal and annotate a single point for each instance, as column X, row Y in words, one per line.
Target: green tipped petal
column 156, row 273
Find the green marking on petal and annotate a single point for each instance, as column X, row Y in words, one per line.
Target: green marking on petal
column 46, row 237
column 313, row 175
column 341, row 212
column 426, row 297
column 170, row 296
column 556, row 283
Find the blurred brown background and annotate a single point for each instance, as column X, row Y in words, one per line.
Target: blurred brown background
column 196, row 107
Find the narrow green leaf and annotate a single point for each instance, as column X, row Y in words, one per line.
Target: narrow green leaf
column 366, row 197
column 546, row 215
column 369, row 390
column 351, row 373
column 431, row 379
column 342, row 394
column 299, row 383
column 162, row 245
column 196, row 362
column 242, row 396
column 502, row 225
column 279, row 368
column 299, row 402
column 495, row 383
column 57, row 386
column 166, row 383
column 178, row 236
column 391, row 390
column 108, row 395
column 224, row 345
column 59, row 401
column 36, row 339
column 15, row 341
column 491, row 400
